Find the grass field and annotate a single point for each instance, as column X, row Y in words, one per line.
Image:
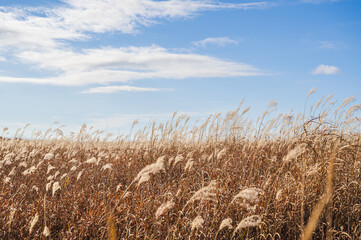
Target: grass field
column 285, row 176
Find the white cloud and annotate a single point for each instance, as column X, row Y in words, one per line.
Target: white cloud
column 114, row 89
column 219, row 41
column 126, row 15
column 325, row 69
column 2, row 59
column 109, row 65
column 73, row 20
column 19, row 29
column 41, row 37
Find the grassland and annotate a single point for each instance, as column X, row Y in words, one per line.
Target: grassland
column 285, row 176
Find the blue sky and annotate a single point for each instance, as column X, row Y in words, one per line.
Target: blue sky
column 107, row 63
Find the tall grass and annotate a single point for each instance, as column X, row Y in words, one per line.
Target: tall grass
column 287, row 176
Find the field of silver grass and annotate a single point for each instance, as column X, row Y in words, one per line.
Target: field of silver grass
column 286, row 176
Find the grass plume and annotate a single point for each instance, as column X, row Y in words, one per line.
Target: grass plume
column 287, row 176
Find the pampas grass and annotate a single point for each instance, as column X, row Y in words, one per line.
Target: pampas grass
column 251, row 195
column 226, row 223
column 56, row 187
column 288, row 176
column 248, row 222
column 11, row 216
column 46, row 231
column 152, row 169
column 33, row 222
column 207, row 193
column 197, row 223
column 164, row 208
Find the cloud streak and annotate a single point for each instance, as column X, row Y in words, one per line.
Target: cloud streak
column 319, row 1
column 325, row 70
column 218, row 41
column 114, row 65
column 101, row 16
column 115, row 89
column 331, row 45
column 326, row 45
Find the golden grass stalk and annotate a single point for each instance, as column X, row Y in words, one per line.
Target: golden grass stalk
column 111, row 228
column 317, row 211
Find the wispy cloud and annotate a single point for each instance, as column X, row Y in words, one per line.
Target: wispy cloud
column 75, row 19
column 43, row 37
column 2, row 59
column 115, row 89
column 319, row 1
column 331, row 45
column 326, row 69
column 218, row 41
column 126, row 15
column 326, row 45
column 109, row 65
column 24, row 29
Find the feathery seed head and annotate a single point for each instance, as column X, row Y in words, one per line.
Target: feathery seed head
column 249, row 194
column 189, row 165
column 107, row 166
column 296, row 152
column 46, row 231
column 56, row 187
column 164, row 208
column 50, row 168
column 221, row 153
column 248, row 222
column 279, row 194
column 29, row 171
column 92, row 160
column 49, row 156
column 197, row 223
column 226, row 223
column 178, row 158
column 79, row 175
column 33, row 222
column 208, row 193
column 151, row 169
column 48, row 186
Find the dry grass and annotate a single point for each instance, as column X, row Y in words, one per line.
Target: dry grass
column 286, row 176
